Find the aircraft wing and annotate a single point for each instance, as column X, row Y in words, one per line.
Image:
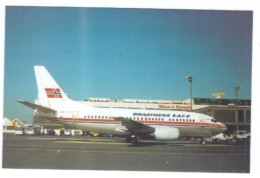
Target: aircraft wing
column 36, row 106
column 135, row 127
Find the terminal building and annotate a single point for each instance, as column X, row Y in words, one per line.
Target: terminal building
column 234, row 116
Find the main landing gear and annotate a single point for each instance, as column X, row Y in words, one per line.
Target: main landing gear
column 132, row 139
column 203, row 140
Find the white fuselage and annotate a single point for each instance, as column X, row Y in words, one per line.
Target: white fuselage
column 77, row 115
column 55, row 106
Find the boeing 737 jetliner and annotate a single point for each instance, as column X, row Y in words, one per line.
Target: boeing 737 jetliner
column 54, row 105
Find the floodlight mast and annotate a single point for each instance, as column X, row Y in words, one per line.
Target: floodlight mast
column 190, row 80
column 237, row 89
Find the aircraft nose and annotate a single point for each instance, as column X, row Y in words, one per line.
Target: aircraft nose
column 224, row 128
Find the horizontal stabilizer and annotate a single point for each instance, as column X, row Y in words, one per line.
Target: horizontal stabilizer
column 36, row 106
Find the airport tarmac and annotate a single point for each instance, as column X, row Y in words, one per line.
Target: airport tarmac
column 100, row 153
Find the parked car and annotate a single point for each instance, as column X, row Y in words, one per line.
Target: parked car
column 67, row 132
column 18, row 130
column 29, row 130
column 38, row 130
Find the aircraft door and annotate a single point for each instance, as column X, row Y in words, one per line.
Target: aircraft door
column 202, row 120
column 74, row 115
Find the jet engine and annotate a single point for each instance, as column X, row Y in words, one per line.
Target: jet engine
column 166, row 133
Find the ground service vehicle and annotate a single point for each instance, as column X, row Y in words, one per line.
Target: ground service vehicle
column 220, row 138
column 223, row 138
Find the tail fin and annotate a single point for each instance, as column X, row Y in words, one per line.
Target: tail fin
column 48, row 89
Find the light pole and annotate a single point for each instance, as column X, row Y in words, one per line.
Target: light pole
column 236, row 89
column 190, row 80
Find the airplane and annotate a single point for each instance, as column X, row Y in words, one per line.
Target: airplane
column 55, row 106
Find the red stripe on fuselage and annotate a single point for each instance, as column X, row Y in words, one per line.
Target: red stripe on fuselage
column 170, row 123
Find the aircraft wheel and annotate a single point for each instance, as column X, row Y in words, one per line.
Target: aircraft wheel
column 203, row 141
column 134, row 139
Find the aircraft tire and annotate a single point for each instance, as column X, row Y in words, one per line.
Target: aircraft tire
column 203, row 141
column 134, row 139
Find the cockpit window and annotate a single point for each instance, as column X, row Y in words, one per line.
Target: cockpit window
column 213, row 120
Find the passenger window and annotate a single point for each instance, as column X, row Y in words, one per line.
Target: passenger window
column 169, row 119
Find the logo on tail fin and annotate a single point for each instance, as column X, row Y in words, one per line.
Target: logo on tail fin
column 53, row 92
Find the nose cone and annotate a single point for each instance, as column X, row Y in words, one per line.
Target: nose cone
column 223, row 127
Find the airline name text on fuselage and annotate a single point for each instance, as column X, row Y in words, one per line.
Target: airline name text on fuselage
column 161, row 115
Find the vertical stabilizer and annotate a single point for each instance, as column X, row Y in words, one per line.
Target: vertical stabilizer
column 48, row 89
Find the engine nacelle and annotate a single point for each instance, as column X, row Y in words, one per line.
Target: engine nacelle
column 166, row 133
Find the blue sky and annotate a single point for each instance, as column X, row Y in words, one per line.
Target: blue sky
column 126, row 53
